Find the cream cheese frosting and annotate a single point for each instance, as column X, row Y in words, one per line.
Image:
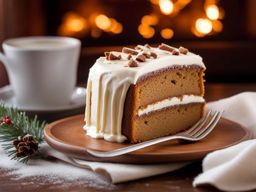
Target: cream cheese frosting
column 173, row 101
column 108, row 84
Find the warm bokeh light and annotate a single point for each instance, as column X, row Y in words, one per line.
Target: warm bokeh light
column 72, row 24
column 217, row 26
column 221, row 13
column 116, row 27
column 184, row 1
column 166, row 6
column 102, row 22
column 179, row 5
column 98, row 22
column 197, row 33
column 76, row 24
column 203, row 26
column 212, row 12
column 149, row 20
column 92, row 18
column 167, row 33
column 107, row 24
column 146, row 31
column 155, row 2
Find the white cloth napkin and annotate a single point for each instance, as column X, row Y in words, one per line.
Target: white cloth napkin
column 233, row 168
column 117, row 172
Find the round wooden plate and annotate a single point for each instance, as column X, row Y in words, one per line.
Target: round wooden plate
column 67, row 136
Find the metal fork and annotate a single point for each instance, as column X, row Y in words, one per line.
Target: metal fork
column 199, row 131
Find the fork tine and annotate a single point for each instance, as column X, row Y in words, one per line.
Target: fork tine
column 203, row 126
column 196, row 126
column 210, row 126
column 207, row 125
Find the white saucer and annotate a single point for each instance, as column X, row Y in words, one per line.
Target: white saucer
column 77, row 101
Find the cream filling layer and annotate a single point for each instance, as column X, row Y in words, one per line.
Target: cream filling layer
column 185, row 99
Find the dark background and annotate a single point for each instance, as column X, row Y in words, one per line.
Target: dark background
column 228, row 55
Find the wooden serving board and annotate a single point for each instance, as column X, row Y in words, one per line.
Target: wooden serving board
column 67, row 136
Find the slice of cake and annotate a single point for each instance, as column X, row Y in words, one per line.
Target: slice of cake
column 144, row 93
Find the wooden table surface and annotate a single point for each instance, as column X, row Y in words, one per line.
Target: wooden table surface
column 178, row 181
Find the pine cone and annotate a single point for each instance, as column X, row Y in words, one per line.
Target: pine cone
column 25, row 146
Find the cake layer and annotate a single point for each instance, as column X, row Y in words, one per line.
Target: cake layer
column 168, row 121
column 168, row 82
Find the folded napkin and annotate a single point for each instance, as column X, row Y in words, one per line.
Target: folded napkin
column 233, row 168
column 117, row 172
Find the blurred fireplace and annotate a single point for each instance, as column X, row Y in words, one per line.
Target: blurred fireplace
column 223, row 32
column 119, row 22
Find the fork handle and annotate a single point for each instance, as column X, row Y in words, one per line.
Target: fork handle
column 134, row 147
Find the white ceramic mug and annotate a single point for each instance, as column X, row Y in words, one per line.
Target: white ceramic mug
column 42, row 70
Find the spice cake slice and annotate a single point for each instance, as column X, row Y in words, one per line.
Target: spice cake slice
column 143, row 93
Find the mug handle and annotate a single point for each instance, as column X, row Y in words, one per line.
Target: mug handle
column 3, row 59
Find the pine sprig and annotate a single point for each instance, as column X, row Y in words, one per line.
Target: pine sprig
column 20, row 125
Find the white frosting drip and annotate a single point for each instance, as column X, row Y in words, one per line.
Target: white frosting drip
column 186, row 99
column 109, row 81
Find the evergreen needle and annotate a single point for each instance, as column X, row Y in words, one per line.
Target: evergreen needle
column 14, row 125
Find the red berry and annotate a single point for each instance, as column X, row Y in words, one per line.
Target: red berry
column 7, row 120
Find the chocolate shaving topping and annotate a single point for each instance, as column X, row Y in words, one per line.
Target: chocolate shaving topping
column 147, row 45
column 142, row 47
column 153, row 54
column 112, row 56
column 175, row 52
column 106, row 54
column 166, row 47
column 129, row 56
column 140, row 57
column 146, row 54
column 138, row 47
column 183, row 50
column 143, row 52
column 132, row 63
column 130, row 51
